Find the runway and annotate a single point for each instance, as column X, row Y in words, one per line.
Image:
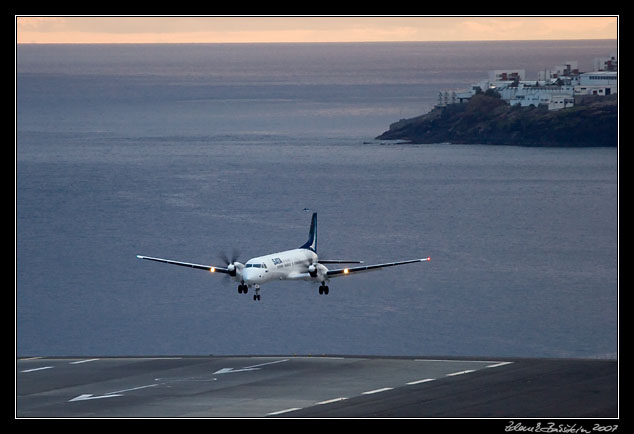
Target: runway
column 314, row 387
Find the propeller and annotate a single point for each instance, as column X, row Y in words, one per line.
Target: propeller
column 230, row 261
column 312, row 270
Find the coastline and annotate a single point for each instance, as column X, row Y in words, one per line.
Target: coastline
column 486, row 119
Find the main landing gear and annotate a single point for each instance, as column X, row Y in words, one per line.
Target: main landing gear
column 323, row 289
column 243, row 289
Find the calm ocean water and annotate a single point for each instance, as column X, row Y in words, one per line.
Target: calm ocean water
column 189, row 151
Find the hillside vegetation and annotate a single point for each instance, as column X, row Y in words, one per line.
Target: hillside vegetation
column 487, row 119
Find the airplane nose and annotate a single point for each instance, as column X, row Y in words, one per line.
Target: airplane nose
column 250, row 275
column 246, row 275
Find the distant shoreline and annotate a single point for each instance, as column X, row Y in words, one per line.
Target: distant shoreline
column 593, row 122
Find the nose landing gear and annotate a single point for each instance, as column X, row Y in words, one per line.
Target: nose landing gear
column 323, row 289
column 256, row 296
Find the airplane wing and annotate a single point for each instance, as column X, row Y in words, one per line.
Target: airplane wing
column 346, row 271
column 210, row 268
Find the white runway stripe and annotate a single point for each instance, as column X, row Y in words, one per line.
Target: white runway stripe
column 421, row 381
column 460, row 372
column 283, row 411
column 370, row 392
column 37, row 369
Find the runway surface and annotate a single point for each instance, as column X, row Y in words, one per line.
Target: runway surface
column 315, row 387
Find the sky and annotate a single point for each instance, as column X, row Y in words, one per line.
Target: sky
column 218, row 29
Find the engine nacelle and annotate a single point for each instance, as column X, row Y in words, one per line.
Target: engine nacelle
column 312, row 270
column 235, row 268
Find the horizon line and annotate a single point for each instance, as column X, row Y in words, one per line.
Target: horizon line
column 313, row 42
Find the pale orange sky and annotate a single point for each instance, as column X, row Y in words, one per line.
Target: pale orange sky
column 186, row 29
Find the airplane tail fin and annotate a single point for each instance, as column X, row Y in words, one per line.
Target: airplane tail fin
column 311, row 244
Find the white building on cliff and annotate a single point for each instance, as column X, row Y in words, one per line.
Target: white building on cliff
column 527, row 94
column 554, row 88
column 597, row 83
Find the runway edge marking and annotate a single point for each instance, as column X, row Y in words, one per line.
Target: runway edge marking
column 425, row 380
column 37, row 369
column 372, row 392
column 329, row 401
column 411, row 383
column 283, row 411
column 467, row 371
column 79, row 362
column 499, row 364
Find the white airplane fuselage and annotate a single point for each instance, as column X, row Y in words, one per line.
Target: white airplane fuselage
column 288, row 265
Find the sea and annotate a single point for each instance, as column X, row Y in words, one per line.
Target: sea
column 194, row 152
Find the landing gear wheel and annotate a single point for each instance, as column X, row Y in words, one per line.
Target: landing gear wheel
column 243, row 289
column 256, row 297
column 323, row 289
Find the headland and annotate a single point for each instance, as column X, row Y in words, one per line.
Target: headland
column 487, row 119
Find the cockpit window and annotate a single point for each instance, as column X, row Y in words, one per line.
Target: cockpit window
column 255, row 266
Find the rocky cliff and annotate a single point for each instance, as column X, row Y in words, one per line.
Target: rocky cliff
column 486, row 119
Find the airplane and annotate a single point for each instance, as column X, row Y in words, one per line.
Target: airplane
column 301, row 263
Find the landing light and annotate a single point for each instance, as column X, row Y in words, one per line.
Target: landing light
column 212, row 269
column 345, row 271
